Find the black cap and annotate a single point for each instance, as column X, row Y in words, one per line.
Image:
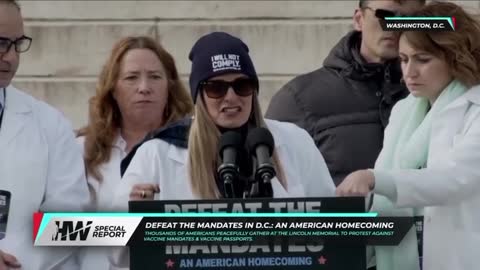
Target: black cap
column 215, row 54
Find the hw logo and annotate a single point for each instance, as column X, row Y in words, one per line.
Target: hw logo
column 66, row 231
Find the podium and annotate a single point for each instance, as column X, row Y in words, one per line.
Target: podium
column 272, row 253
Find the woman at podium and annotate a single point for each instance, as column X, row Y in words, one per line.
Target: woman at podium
column 225, row 134
column 227, row 150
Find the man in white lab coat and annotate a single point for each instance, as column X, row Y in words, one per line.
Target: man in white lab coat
column 40, row 163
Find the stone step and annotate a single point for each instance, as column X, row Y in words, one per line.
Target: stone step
column 164, row 10
column 71, row 95
column 278, row 47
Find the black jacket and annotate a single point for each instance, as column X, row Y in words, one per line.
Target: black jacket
column 345, row 106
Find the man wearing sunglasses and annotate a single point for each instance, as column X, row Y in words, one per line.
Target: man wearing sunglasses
column 40, row 163
column 345, row 105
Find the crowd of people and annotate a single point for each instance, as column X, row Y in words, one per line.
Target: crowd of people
column 390, row 116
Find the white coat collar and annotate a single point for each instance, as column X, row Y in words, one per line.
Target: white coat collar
column 15, row 101
column 119, row 142
column 473, row 94
column 180, row 155
column 16, row 112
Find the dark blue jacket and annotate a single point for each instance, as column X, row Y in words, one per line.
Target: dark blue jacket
column 175, row 133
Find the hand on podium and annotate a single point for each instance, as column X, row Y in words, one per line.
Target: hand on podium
column 144, row 192
column 358, row 183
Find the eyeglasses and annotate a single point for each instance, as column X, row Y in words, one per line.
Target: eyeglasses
column 383, row 13
column 22, row 44
column 243, row 87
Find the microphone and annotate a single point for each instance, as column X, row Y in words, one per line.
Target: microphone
column 4, row 208
column 261, row 144
column 229, row 144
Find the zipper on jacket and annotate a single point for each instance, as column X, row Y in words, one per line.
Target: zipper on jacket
column 386, row 75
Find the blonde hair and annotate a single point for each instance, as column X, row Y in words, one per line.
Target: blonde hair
column 203, row 155
column 104, row 113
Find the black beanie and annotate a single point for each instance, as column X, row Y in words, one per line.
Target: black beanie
column 215, row 54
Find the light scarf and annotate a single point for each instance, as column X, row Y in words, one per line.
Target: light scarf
column 406, row 146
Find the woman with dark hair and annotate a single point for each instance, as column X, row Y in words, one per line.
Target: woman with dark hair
column 138, row 91
column 429, row 164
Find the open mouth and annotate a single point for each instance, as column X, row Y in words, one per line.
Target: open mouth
column 231, row 109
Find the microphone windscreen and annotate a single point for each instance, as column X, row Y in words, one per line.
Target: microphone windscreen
column 260, row 136
column 229, row 139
